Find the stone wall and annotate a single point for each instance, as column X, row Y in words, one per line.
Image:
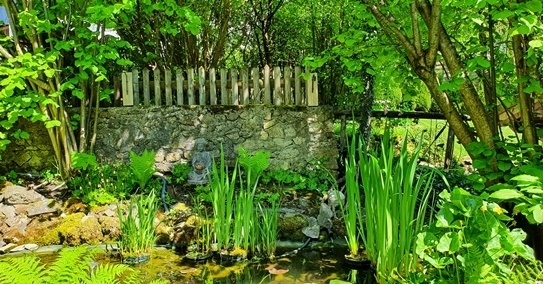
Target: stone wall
column 28, row 155
column 293, row 135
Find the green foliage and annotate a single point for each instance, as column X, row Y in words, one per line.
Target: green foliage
column 181, row 172
column 82, row 161
column 142, row 166
column 103, row 184
column 71, row 266
column 525, row 190
column 137, row 225
column 470, row 241
column 313, row 178
column 508, row 160
column 59, row 54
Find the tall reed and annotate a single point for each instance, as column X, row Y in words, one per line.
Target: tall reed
column 268, row 228
column 395, row 205
column 137, row 225
column 222, row 192
column 352, row 210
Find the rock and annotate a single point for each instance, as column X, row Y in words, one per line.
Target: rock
column 43, row 207
column 15, row 194
column 7, row 212
column 2, row 243
column 111, row 228
column 43, row 232
column 290, row 227
column 18, row 248
column 31, row 246
column 313, row 229
column 7, row 248
column 325, row 216
column 79, row 229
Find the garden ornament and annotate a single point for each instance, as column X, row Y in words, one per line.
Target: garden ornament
column 201, row 162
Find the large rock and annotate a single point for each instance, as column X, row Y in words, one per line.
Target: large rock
column 78, row 229
column 15, row 194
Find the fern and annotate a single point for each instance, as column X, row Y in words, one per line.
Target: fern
column 143, row 167
column 71, row 266
column 27, row 269
column 254, row 164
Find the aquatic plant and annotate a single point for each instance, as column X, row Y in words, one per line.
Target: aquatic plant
column 73, row 265
column 352, row 210
column 204, row 229
column 395, row 205
column 267, row 243
column 137, row 225
column 222, row 200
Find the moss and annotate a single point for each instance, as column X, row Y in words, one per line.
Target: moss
column 77, row 229
column 290, row 227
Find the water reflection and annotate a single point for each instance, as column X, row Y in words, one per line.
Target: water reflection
column 320, row 266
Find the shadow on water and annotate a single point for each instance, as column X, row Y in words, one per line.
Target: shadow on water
column 311, row 265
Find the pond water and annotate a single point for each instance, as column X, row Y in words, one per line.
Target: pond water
column 310, row 265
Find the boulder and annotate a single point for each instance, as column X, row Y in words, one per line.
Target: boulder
column 15, row 194
column 78, row 229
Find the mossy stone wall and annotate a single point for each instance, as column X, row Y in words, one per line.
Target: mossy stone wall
column 293, row 135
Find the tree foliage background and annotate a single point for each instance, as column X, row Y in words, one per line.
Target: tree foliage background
column 459, row 57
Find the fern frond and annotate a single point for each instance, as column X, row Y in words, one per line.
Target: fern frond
column 27, row 269
column 253, row 164
column 109, row 273
column 143, row 167
column 71, row 266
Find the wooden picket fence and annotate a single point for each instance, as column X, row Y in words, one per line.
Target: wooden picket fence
column 287, row 86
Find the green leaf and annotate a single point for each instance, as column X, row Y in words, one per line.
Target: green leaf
column 538, row 213
column 49, row 73
column 52, row 123
column 503, row 15
column 506, row 194
column 535, row 6
column 504, row 166
column 536, row 43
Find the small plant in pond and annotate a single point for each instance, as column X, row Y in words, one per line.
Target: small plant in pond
column 137, row 226
column 352, row 210
column 204, row 233
column 268, row 219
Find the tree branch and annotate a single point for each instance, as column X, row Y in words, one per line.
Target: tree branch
column 387, row 25
column 434, row 33
column 416, row 31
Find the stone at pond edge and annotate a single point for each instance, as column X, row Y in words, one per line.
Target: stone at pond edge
column 79, row 229
column 290, row 227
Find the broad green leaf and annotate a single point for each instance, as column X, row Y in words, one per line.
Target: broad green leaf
column 536, row 43
column 538, row 213
column 503, row 15
column 525, row 179
column 52, row 123
column 506, row 194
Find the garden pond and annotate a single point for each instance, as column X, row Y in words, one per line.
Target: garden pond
column 313, row 264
